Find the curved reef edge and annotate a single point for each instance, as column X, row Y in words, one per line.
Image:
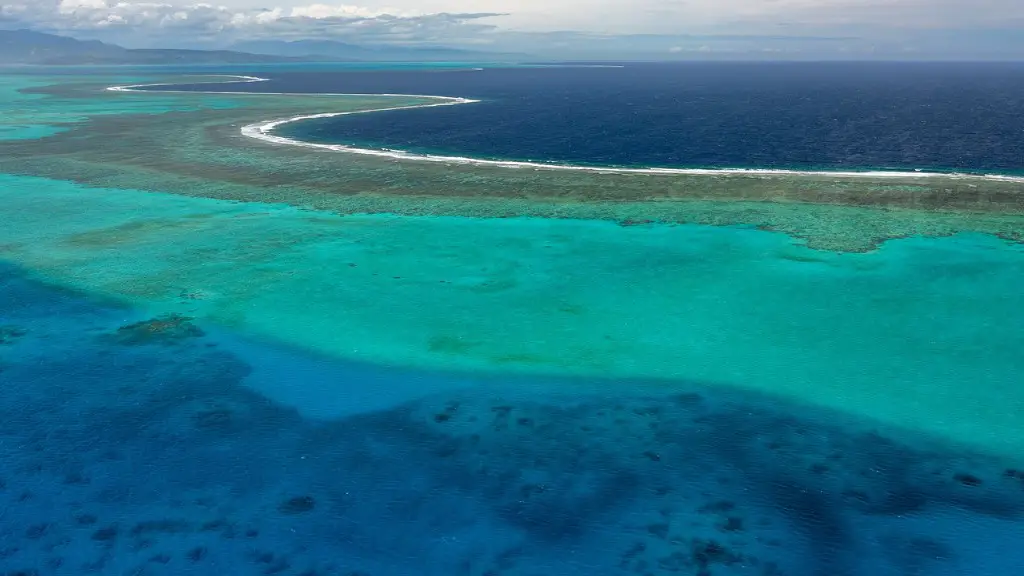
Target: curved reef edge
column 265, row 131
column 189, row 142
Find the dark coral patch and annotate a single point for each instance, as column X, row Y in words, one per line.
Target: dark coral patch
column 8, row 334
column 707, row 552
column 197, row 554
column 165, row 329
column 733, row 524
column 105, row 534
column 297, row 505
column 967, row 479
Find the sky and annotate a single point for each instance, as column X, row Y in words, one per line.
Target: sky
column 597, row 29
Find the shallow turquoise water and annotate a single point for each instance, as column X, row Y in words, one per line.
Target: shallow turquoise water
column 129, row 447
column 193, row 386
column 889, row 335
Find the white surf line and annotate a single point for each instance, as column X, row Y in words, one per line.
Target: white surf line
column 239, row 80
column 264, row 131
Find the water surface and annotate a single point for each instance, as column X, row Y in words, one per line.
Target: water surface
column 225, row 384
column 821, row 116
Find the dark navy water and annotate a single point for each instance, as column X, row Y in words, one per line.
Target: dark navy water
column 962, row 117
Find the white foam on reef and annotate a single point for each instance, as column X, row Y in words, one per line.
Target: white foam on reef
column 238, row 80
column 264, row 131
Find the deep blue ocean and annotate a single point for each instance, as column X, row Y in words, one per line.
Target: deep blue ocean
column 955, row 117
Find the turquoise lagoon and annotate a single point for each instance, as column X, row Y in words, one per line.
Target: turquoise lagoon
column 201, row 386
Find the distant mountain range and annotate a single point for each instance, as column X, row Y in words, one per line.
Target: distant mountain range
column 333, row 50
column 30, row 47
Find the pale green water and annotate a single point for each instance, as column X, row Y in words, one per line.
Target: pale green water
column 923, row 333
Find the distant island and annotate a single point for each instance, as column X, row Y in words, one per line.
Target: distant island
column 30, row 47
column 343, row 51
column 40, row 48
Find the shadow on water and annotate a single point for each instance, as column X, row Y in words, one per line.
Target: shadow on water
column 133, row 446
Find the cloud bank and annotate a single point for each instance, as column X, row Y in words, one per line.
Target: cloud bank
column 149, row 22
column 613, row 29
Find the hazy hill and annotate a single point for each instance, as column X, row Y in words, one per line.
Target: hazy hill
column 28, row 47
column 311, row 49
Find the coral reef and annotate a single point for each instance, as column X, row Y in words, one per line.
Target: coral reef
column 8, row 334
column 164, row 329
column 200, row 154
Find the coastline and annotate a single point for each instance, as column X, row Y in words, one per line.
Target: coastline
column 264, row 131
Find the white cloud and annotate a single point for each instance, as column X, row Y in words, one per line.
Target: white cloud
column 699, row 16
column 69, row 6
column 756, row 26
column 909, row 14
column 162, row 21
column 342, row 11
column 610, row 16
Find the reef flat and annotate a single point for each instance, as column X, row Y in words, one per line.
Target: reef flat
column 892, row 335
column 191, row 144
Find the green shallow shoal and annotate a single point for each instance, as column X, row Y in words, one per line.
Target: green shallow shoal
column 30, row 114
column 924, row 333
